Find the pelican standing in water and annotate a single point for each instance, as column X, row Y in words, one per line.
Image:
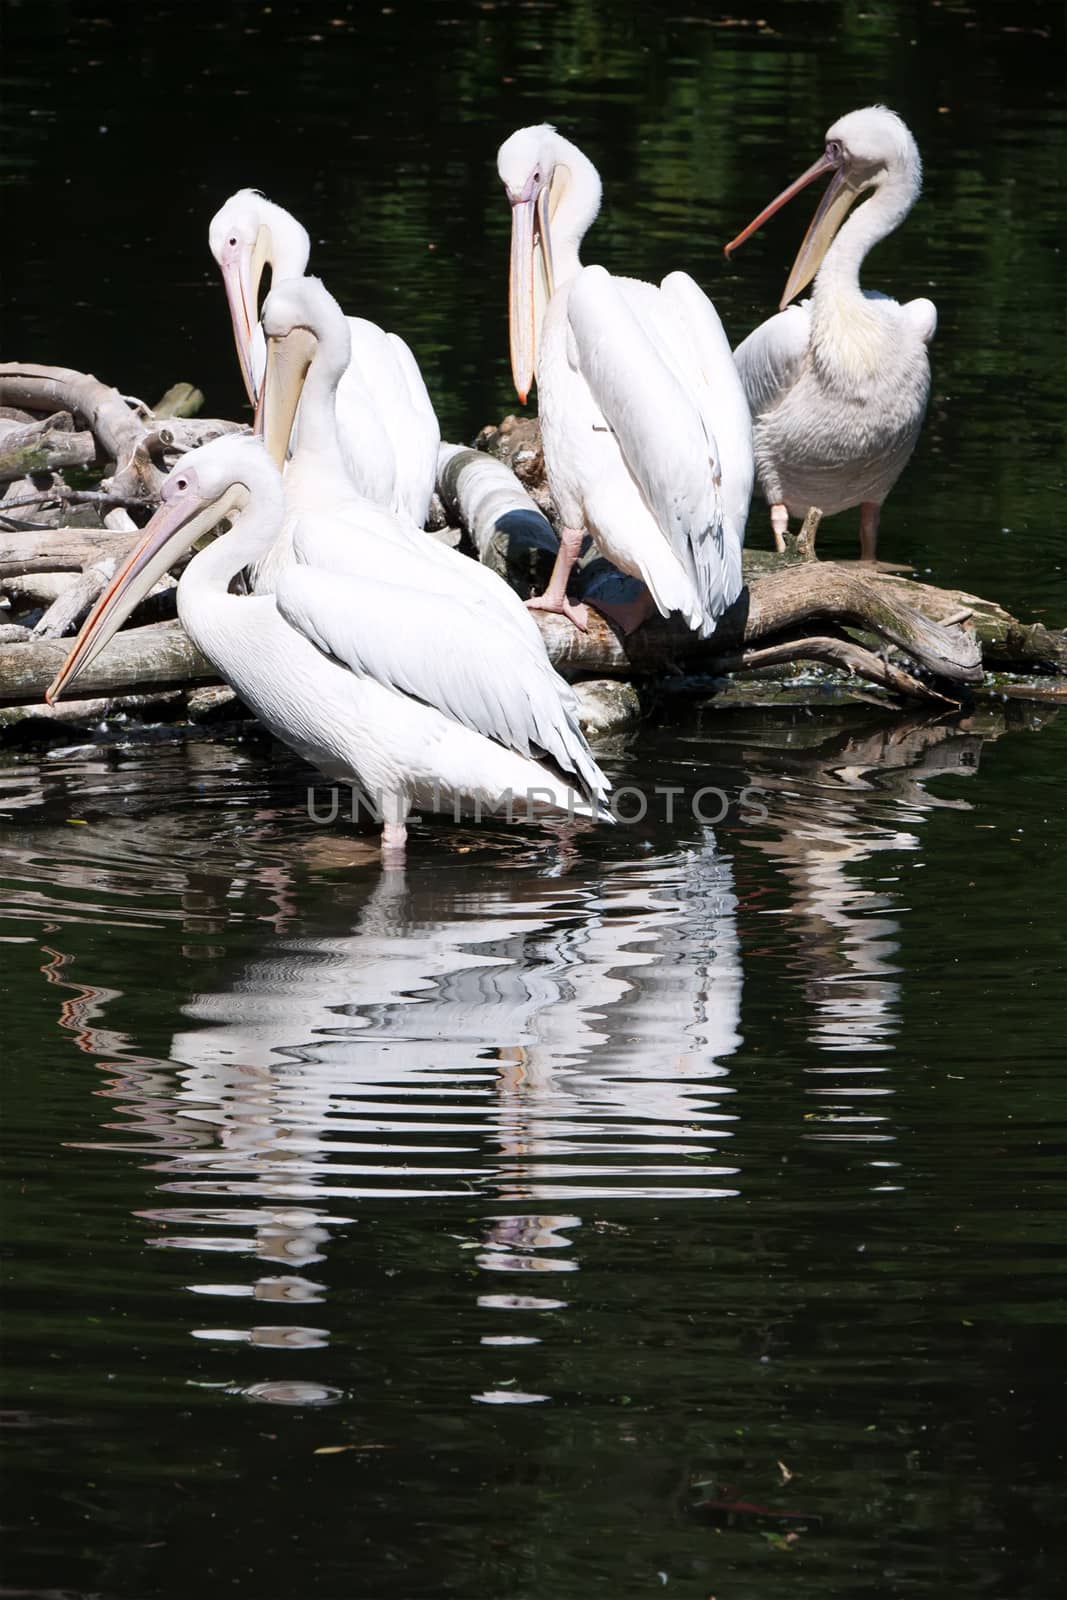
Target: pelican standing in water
column 327, row 525
column 434, row 715
column 387, row 425
column 838, row 385
column 645, row 428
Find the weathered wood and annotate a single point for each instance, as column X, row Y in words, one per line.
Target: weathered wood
column 82, row 711
column 118, row 429
column 43, row 503
column 22, row 423
column 24, row 590
column 483, row 493
column 57, row 549
column 844, row 653
column 69, row 610
column 516, row 539
column 806, row 594
column 792, row 610
column 161, row 655
column 44, row 446
column 174, row 436
column 509, row 531
column 607, row 707
column 180, row 400
column 828, row 592
column 516, row 442
column 1006, row 642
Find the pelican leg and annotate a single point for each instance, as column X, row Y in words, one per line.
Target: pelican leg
column 555, row 596
column 870, row 512
column 779, row 525
column 394, row 844
column 395, row 808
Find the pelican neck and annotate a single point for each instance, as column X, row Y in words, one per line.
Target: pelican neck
column 576, row 212
column 253, row 533
column 838, row 278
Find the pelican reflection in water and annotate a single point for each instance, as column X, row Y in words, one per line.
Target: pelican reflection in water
column 541, row 1044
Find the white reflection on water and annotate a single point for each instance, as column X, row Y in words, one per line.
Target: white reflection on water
column 531, row 1040
column 530, row 1045
column 866, row 801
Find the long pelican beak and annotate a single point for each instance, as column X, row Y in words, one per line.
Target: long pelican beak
column 530, row 282
column 830, row 214
column 242, row 274
column 176, row 526
column 289, row 357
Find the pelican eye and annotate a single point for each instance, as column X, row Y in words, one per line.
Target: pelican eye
column 537, row 175
column 834, row 150
column 181, row 485
column 233, row 241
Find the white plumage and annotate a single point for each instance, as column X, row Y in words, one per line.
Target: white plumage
column 456, row 611
column 645, row 428
column 387, row 425
column 838, row 385
column 438, row 714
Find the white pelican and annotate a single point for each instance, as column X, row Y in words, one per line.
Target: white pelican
column 422, row 706
column 646, row 432
column 388, row 428
column 838, row 385
column 327, row 523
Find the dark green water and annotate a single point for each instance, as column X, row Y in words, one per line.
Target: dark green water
column 675, row 1209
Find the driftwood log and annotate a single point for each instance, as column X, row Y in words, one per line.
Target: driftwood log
column 910, row 640
column 511, row 534
column 44, row 446
column 160, row 656
column 139, row 443
column 116, row 426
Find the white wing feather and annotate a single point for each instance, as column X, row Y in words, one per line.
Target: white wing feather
column 772, row 358
column 721, row 398
column 922, row 314
column 418, row 456
column 626, row 341
column 351, row 536
column 364, row 438
column 448, row 654
column 403, row 413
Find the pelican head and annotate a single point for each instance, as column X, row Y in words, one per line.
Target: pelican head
column 213, row 482
column 246, row 235
column 539, row 170
column 302, row 323
column 865, row 150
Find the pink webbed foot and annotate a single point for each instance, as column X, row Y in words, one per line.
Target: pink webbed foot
column 578, row 614
column 555, row 596
column 394, row 845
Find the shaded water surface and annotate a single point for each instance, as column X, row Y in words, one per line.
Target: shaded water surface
column 666, row 1209
column 564, row 1214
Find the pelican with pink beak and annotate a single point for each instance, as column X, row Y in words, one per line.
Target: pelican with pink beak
column 387, row 425
column 838, row 385
column 644, row 423
column 422, row 706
